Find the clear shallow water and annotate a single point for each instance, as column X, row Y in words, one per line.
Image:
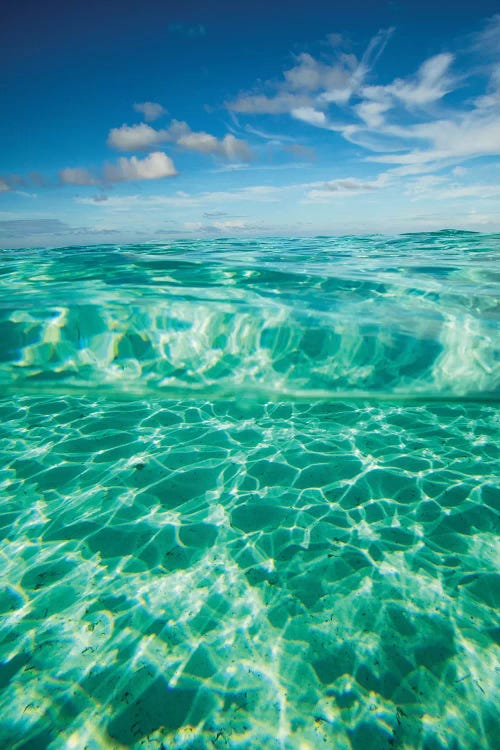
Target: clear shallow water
column 249, row 494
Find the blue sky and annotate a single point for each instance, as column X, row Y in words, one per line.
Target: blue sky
column 125, row 121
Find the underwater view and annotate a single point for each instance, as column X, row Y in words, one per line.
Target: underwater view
column 249, row 494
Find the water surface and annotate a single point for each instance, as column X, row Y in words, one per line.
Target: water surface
column 249, row 494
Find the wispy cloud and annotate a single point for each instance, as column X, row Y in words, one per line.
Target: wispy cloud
column 310, row 192
column 440, row 188
column 270, row 167
column 181, row 199
column 466, row 135
column 271, row 138
column 431, row 82
column 409, row 122
column 347, row 186
column 487, row 41
column 311, row 84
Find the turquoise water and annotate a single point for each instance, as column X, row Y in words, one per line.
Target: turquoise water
column 249, row 494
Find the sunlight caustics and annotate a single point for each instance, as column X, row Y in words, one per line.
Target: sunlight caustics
column 250, row 502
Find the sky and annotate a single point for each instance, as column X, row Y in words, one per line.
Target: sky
column 127, row 121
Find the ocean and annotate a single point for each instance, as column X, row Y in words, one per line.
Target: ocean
column 249, row 494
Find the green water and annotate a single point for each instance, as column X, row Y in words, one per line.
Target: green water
column 249, row 495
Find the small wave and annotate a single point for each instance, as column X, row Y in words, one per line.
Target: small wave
column 407, row 317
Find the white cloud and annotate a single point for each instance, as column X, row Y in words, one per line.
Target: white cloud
column 229, row 225
column 473, row 191
column 305, row 192
column 312, row 84
column 76, row 176
column 265, row 105
column 229, row 147
column 142, row 137
column 25, row 194
column 312, row 75
column 266, row 167
column 372, row 112
column 398, row 120
column 469, row 191
column 437, row 188
column 469, row 135
column 346, row 186
column 491, row 99
column 430, row 83
column 422, row 186
column 487, row 41
column 349, row 184
column 181, row 199
column 376, row 46
column 150, row 110
column 272, row 138
column 177, row 129
column 135, row 137
column 310, row 115
column 152, row 167
column 468, row 131
column 3, row 186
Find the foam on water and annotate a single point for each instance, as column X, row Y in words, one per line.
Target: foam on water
column 249, row 495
